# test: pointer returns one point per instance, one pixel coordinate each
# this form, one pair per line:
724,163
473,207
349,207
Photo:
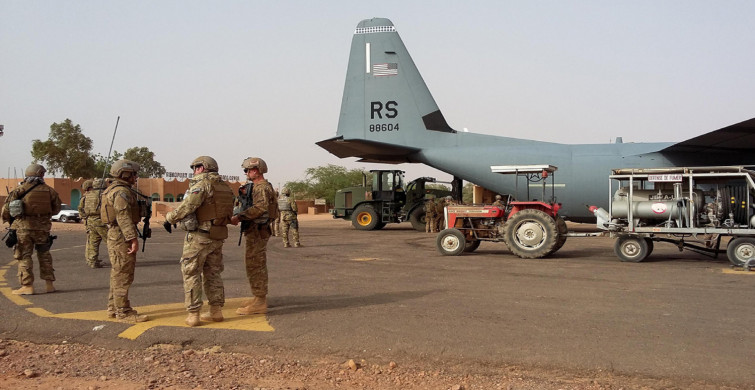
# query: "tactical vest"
38,202
92,203
284,204
219,207
109,214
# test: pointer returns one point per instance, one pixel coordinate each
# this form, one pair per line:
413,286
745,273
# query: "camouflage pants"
202,260
95,235
290,226
431,224
28,241
121,272
255,258
441,223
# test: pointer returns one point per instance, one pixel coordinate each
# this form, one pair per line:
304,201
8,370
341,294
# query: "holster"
11,238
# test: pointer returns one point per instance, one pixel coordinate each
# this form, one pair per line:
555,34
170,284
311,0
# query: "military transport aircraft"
389,116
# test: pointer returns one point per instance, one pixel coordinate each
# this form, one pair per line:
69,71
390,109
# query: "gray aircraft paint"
389,116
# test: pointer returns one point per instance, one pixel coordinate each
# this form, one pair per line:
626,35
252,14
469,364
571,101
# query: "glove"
167,227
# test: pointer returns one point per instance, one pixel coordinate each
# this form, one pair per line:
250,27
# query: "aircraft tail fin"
387,111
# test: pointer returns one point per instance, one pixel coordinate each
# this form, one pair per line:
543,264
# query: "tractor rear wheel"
531,234
365,218
450,242
417,218
562,231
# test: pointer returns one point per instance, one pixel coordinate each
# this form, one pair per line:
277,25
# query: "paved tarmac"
388,295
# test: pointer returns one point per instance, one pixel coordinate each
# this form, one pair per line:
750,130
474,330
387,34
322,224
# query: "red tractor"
530,229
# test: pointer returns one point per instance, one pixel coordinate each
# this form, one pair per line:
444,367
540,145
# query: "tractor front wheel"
450,242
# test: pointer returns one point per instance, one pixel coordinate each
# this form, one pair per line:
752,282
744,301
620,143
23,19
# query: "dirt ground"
27,365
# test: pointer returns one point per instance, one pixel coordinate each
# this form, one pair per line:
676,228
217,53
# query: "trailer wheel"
450,242
471,246
741,250
365,218
650,246
531,234
631,248
417,218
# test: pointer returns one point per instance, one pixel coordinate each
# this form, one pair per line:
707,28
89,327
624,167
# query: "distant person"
289,216
28,209
431,216
440,217
257,232
210,200
276,225
89,209
120,210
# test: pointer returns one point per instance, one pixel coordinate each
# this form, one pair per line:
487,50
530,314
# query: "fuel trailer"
693,208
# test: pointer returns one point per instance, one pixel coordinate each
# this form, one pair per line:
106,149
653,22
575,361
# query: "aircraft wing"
739,137
368,151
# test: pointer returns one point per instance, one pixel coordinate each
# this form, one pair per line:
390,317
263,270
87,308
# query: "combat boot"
50,287
131,317
285,245
215,314
257,306
193,319
297,245
26,289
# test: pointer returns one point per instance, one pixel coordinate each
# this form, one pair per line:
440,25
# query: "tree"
323,182
67,150
146,159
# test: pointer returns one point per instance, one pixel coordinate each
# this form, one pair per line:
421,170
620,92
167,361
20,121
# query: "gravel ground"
25,365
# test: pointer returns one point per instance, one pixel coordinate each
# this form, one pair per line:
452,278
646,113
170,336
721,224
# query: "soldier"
89,209
277,221
498,202
257,234
440,215
28,209
431,215
120,210
289,218
210,200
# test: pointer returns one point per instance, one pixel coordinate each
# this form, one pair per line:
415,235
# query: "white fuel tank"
652,204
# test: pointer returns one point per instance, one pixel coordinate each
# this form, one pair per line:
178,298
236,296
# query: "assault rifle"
145,205
245,202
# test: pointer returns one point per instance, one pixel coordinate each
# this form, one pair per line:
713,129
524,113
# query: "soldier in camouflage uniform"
257,234
277,221
440,217
89,209
431,216
120,210
289,218
210,199
499,203
40,202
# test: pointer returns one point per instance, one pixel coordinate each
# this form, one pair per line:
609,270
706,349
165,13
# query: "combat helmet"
123,166
254,162
35,170
207,162
498,197
87,184
285,191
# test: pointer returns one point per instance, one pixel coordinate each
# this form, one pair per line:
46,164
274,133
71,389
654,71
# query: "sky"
233,79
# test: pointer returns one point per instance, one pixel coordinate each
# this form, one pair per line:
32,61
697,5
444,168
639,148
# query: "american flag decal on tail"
390,69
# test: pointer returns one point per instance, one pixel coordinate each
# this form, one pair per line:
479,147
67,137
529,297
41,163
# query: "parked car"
66,214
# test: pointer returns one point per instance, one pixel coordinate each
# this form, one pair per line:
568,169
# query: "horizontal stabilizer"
735,138
368,151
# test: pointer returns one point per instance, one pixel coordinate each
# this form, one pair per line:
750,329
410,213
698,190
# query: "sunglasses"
248,169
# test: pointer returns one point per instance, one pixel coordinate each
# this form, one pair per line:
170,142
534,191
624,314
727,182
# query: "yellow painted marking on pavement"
17,299
738,271
365,259
174,314
40,312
